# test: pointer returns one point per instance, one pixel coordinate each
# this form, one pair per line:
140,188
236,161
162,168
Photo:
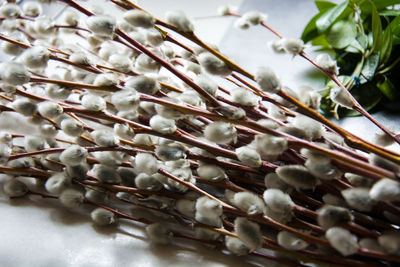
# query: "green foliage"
364,37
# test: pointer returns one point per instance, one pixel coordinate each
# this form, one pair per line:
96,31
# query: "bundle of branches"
134,117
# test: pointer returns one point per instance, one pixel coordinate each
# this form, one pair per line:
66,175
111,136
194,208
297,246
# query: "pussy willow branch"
361,144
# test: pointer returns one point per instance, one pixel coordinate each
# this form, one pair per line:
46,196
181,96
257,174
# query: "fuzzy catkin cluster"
232,165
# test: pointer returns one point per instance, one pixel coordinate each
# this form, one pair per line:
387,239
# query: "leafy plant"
363,36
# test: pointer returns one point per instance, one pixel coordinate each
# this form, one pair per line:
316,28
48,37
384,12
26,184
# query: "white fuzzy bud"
358,180
206,84
5,138
154,37
24,106
290,241
158,233
106,174
71,17
383,139
167,152
297,176
73,155
144,63
71,198
226,10
205,234
77,171
162,125
323,170
272,180
143,84
277,46
102,25
278,201
370,244
244,97
342,240
232,112
10,11
248,156
106,80
96,195
14,73
121,62
57,183
125,100
249,233
15,188
384,163
93,102
254,17
50,109
139,18
35,57
146,163
103,217
329,215
34,143
267,80
294,131
208,211
14,49
186,207
358,198
124,131
211,172
385,190
220,132
213,64
48,130
104,138
79,58
312,127
293,45
44,26
242,24
390,242
327,63
32,9
57,92
179,20
169,112
147,182
341,97
249,202
71,127
270,145
268,124
236,246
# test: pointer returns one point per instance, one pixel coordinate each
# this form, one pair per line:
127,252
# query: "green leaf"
370,65
387,88
330,16
342,33
310,31
386,48
391,12
381,4
395,28
320,41
354,47
376,30
324,5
